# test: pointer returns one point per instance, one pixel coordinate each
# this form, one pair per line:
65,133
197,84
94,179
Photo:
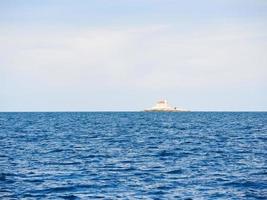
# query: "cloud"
144,58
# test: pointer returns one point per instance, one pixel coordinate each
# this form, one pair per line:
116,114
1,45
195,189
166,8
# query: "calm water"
133,155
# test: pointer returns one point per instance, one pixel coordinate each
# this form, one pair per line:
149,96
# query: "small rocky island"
163,106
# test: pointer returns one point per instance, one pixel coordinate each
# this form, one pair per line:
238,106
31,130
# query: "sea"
133,155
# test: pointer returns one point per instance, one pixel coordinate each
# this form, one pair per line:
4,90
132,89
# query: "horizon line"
109,111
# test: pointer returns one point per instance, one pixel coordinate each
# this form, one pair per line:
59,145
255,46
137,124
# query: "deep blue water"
133,155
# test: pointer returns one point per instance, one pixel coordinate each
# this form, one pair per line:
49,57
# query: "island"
163,106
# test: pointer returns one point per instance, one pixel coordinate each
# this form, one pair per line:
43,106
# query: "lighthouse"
163,106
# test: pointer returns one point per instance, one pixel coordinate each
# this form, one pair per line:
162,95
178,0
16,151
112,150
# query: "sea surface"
133,155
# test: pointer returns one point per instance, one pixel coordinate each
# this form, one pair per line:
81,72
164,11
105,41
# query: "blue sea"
133,155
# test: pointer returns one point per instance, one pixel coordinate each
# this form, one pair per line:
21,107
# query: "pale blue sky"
82,55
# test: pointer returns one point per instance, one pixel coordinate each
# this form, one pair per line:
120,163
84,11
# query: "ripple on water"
133,155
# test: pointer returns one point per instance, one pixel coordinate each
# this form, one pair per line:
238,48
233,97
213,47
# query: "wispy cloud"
48,66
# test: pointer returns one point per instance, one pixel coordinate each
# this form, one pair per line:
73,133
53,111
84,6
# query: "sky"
124,55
